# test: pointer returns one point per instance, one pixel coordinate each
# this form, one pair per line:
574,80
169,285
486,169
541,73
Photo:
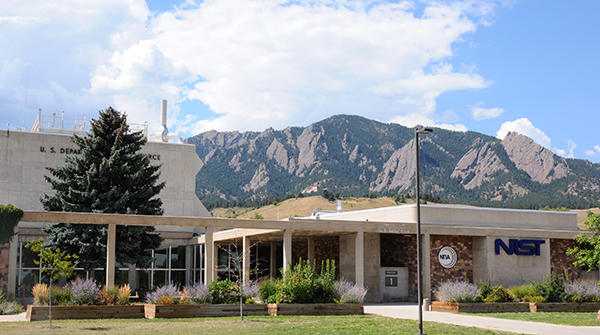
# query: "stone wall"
325,248
559,259
4,252
463,270
401,251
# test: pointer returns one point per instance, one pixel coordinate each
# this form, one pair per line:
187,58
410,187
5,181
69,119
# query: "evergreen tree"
110,175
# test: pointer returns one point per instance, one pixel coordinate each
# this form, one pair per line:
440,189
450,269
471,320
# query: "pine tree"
110,175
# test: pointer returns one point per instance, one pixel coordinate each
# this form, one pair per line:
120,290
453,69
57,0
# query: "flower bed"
475,307
36,312
315,309
152,311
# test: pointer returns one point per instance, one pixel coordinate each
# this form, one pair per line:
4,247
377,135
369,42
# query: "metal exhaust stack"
165,130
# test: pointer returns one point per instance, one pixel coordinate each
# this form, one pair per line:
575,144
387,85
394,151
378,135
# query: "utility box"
394,284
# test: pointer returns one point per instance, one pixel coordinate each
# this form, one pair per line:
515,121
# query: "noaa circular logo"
447,257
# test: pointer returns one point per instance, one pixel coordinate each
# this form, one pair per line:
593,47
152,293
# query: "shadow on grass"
97,328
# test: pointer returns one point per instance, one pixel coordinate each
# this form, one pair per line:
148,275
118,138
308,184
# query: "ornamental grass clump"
583,291
123,295
198,294
40,294
84,292
164,295
249,290
350,293
457,291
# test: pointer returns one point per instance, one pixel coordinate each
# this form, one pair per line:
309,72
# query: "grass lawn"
572,319
304,325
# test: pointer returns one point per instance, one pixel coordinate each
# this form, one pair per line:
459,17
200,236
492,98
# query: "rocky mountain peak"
541,164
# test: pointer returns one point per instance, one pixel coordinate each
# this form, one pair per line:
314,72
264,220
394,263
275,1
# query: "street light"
419,130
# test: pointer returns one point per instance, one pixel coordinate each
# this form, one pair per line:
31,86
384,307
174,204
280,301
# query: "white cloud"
590,153
524,127
420,119
481,113
270,63
571,148
597,148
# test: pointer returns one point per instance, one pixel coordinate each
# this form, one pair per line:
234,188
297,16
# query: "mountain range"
352,155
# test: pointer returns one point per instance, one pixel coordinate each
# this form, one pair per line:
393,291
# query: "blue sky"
486,66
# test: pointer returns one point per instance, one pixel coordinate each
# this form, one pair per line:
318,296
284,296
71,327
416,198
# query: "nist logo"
519,247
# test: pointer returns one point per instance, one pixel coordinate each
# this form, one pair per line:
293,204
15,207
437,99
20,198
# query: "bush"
164,295
583,291
61,296
109,296
249,290
10,307
536,298
267,291
499,294
84,292
525,292
40,294
2,296
123,295
198,294
224,292
350,293
9,219
553,289
457,291
484,290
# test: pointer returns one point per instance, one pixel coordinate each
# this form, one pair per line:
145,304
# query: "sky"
488,66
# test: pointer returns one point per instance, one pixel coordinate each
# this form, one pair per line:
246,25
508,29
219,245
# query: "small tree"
55,263
587,250
9,219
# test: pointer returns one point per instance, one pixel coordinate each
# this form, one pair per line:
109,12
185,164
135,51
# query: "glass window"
142,281
27,257
178,277
28,279
160,278
178,257
160,258
121,277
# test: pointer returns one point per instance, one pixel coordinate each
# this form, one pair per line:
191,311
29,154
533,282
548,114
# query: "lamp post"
419,130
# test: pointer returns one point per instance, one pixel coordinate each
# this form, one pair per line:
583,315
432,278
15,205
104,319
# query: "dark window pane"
28,257
160,259
178,278
121,277
160,278
178,257
28,279
142,283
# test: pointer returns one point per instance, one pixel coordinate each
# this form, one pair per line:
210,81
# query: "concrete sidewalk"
14,317
522,327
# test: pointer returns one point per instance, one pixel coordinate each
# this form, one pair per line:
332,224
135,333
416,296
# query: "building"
377,247
23,159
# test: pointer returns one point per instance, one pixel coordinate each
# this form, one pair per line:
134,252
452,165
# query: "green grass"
301,325
572,319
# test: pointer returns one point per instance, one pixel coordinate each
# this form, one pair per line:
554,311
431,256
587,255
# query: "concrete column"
110,255
425,256
359,258
246,259
209,258
310,250
287,249
13,250
273,260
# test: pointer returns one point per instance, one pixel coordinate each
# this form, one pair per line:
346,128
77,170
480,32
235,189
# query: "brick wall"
325,248
401,251
463,270
559,259
4,251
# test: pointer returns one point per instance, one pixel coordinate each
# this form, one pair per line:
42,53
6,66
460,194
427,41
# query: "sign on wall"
447,257
518,247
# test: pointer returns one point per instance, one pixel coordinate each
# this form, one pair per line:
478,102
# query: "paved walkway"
13,318
517,326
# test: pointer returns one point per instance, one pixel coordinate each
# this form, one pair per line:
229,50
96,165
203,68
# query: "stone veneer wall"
4,253
325,248
401,251
463,270
559,259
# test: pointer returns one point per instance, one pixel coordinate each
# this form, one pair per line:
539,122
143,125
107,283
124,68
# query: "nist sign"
519,247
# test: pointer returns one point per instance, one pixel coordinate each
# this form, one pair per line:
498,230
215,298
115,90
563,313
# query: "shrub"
40,294
350,293
249,290
583,291
224,292
109,296
198,294
499,294
302,284
84,292
484,290
10,307
267,291
457,291
61,296
553,289
536,298
123,295
164,295
524,292
2,296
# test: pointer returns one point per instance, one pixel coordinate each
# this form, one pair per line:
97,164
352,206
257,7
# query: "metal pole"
419,285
